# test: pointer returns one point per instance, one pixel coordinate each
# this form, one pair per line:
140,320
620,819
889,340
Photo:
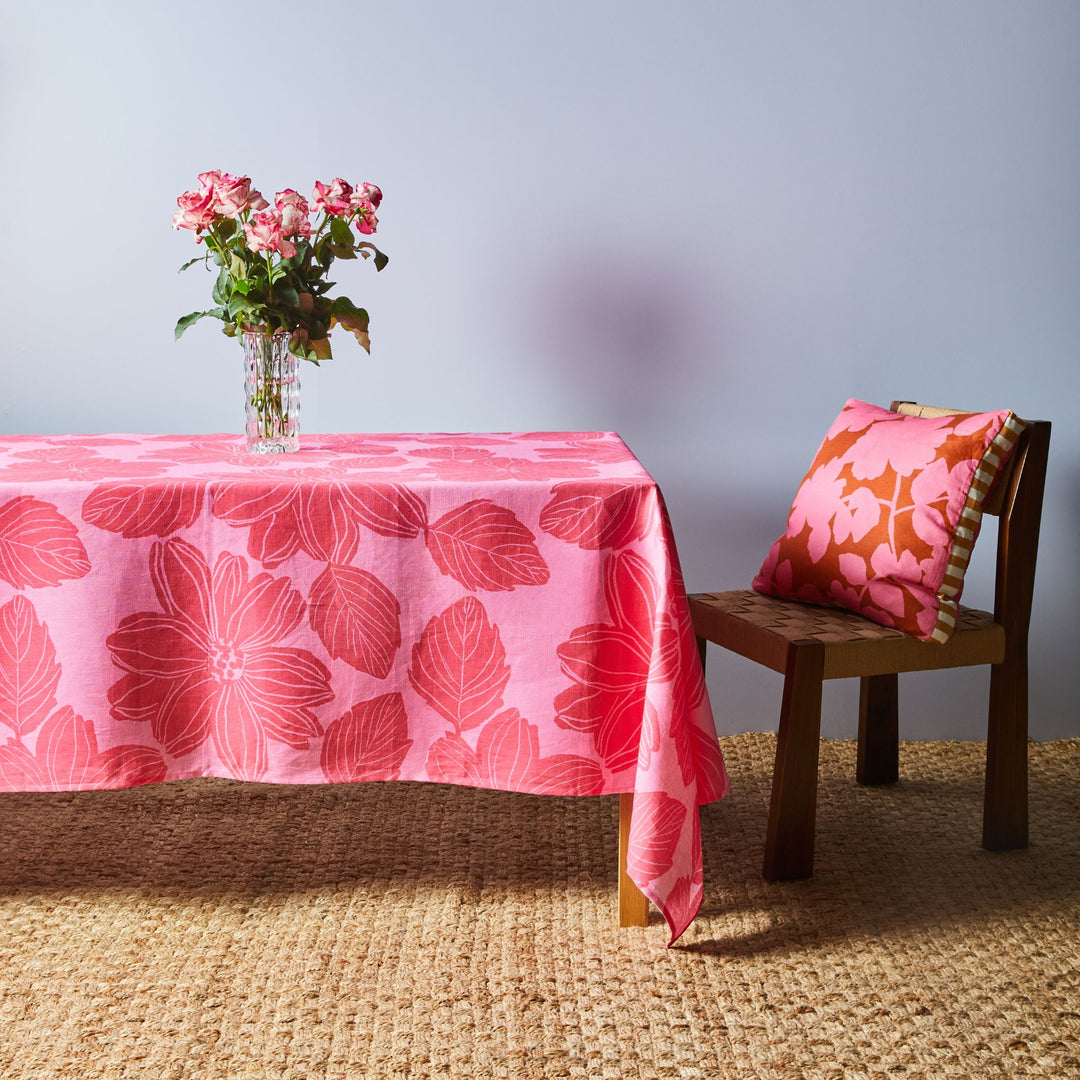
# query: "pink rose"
294,213
196,209
234,195
288,197
210,180
367,193
294,221
333,198
263,233
366,221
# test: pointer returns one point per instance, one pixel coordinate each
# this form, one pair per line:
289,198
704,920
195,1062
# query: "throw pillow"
886,518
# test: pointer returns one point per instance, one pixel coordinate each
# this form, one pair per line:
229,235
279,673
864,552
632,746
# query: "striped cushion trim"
988,470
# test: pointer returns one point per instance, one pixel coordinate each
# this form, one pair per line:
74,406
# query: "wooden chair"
808,644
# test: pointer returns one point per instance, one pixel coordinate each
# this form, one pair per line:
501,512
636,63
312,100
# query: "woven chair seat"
761,628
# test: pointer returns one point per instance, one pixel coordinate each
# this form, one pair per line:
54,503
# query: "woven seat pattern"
762,628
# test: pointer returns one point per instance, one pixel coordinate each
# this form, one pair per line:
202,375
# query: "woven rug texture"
210,929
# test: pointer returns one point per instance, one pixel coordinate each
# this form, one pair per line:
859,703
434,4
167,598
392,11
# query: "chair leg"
702,646
789,842
879,730
1005,800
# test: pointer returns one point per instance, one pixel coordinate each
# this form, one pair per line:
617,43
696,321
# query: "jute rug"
209,929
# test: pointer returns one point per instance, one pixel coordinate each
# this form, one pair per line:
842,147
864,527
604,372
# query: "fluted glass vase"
272,393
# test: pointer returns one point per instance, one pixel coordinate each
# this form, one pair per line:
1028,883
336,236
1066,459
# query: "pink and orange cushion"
885,520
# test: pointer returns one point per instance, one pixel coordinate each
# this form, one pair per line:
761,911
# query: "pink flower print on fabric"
874,525
883,449
609,664
65,754
66,758
209,665
507,755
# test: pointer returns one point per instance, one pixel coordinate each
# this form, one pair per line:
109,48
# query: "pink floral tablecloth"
501,611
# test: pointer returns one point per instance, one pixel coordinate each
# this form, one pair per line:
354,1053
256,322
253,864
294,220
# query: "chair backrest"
1016,499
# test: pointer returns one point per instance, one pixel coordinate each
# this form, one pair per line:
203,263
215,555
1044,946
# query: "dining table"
498,610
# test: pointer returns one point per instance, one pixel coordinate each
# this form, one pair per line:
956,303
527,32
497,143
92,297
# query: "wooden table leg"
633,903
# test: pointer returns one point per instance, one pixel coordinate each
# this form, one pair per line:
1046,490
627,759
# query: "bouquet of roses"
273,261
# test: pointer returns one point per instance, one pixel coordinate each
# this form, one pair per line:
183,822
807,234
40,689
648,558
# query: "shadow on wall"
628,336
1054,686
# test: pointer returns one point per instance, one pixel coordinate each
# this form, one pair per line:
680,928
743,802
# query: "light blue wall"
704,225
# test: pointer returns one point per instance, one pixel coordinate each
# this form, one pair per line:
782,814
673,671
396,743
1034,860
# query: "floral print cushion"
884,521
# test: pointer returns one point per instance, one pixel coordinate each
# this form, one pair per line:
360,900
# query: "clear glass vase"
271,392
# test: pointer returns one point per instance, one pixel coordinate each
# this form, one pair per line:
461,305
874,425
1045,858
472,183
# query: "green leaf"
238,304
343,306
340,232
222,287
380,258
319,349
226,227
191,262
287,295
354,319
187,321
342,252
308,348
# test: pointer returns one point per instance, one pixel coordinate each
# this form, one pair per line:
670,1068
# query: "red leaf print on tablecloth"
567,774
451,760
66,749
684,897
19,769
66,758
133,510
29,672
38,545
508,749
286,518
594,448
129,766
507,756
654,834
457,453
74,460
323,520
699,763
368,743
388,509
610,664
208,665
595,521
356,617
459,665
484,546
472,464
